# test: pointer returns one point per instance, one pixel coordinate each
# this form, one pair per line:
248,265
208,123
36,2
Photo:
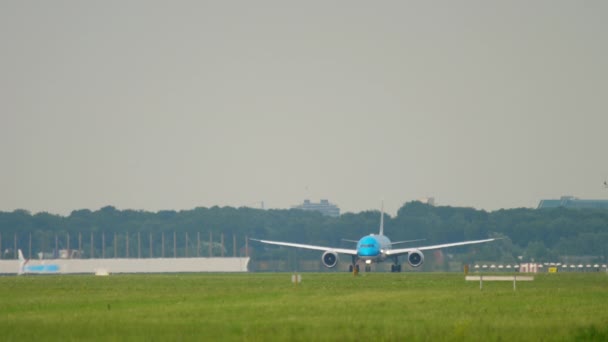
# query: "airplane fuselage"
51,268
43,268
373,247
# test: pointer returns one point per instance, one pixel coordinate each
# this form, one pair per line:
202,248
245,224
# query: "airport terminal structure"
324,207
573,202
19,256
130,265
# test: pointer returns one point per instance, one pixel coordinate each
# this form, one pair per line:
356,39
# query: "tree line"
527,234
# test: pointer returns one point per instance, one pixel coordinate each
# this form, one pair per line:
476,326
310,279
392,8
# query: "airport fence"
86,245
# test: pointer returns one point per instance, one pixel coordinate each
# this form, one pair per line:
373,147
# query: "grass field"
325,306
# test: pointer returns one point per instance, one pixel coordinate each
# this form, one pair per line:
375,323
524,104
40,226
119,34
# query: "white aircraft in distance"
24,268
374,248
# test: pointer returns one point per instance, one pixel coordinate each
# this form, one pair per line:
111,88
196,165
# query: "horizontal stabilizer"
406,241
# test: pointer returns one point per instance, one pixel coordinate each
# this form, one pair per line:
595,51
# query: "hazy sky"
177,104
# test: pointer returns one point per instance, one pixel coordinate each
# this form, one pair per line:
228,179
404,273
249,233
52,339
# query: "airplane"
374,248
24,268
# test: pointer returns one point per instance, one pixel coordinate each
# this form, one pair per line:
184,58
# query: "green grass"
326,306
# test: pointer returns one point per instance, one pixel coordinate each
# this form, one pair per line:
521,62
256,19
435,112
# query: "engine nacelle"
415,258
329,259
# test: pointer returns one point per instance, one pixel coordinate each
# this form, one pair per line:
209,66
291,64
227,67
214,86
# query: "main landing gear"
396,267
351,268
354,267
368,268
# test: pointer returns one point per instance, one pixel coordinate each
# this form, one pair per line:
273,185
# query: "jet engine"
415,258
329,259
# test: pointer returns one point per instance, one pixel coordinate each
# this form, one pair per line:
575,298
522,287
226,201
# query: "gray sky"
177,104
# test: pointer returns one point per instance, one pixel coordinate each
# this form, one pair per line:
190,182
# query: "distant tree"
540,234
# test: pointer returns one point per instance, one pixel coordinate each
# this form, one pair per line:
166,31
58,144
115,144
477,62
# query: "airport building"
123,265
324,207
573,202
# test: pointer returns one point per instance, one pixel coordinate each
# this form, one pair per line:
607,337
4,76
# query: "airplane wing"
426,248
313,247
